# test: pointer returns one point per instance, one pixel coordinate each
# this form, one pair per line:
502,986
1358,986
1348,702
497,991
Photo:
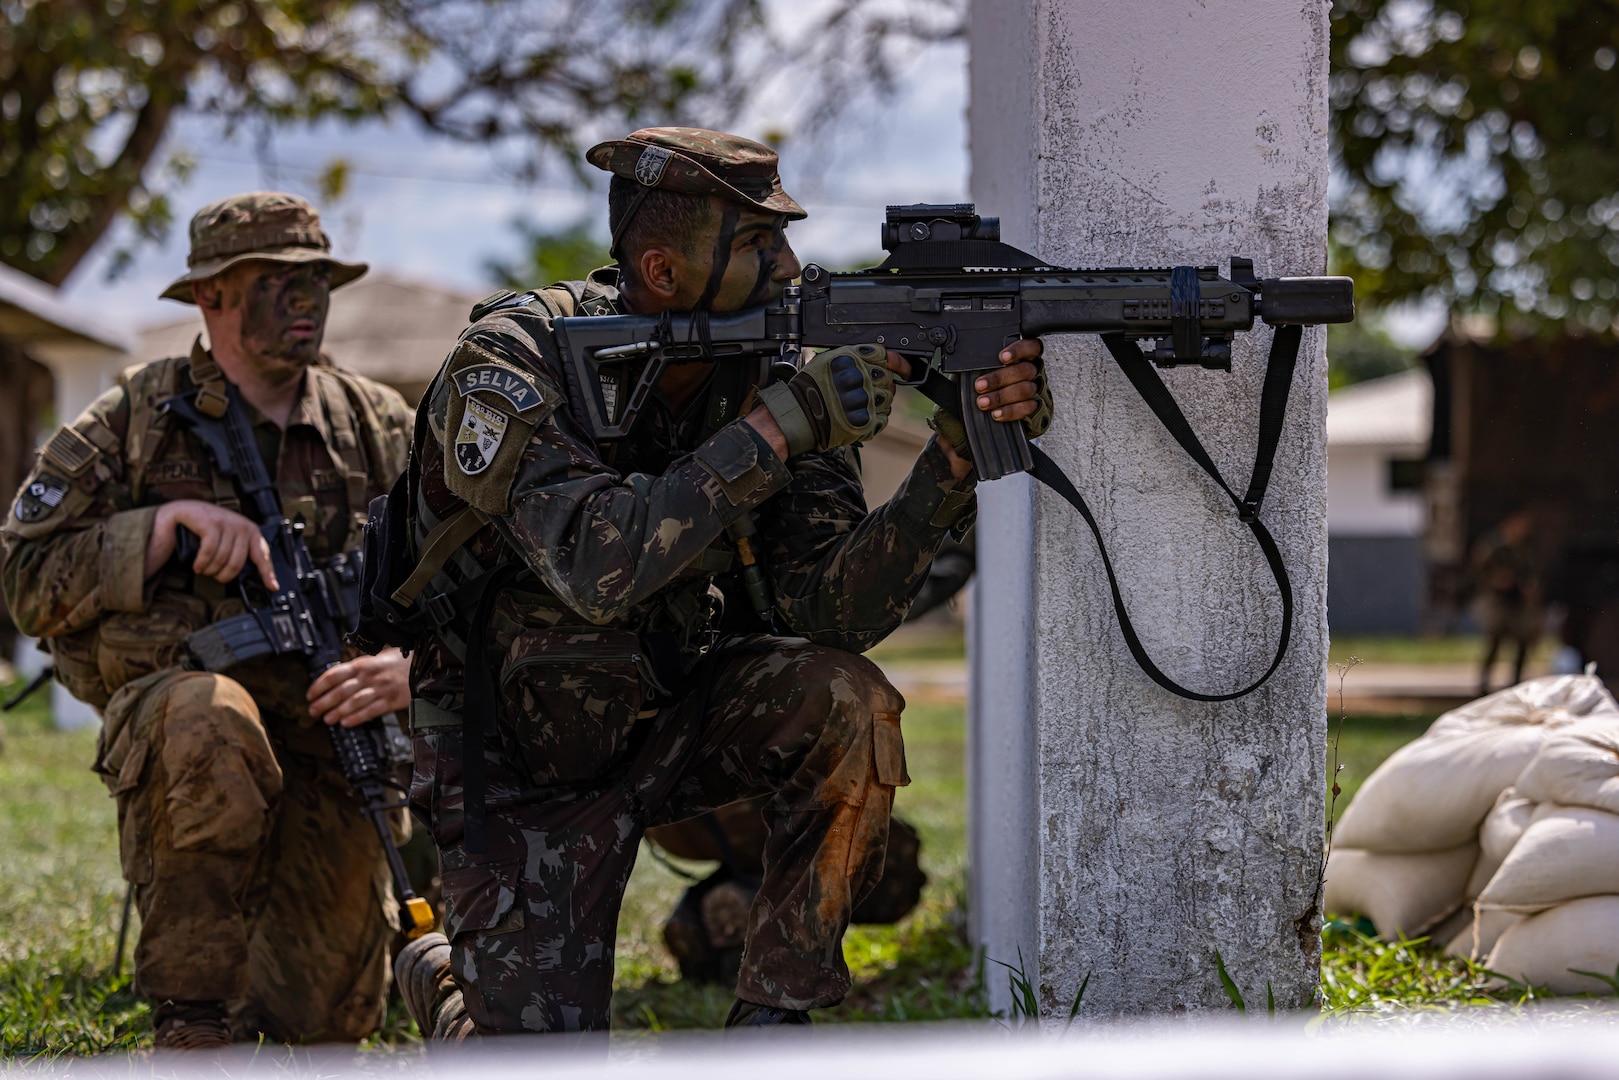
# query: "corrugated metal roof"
1396,410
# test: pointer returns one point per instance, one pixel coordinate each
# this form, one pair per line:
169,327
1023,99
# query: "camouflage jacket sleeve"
75,546
601,541
845,577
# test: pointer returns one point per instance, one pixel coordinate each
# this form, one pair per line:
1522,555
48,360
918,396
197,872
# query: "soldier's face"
281,309
761,262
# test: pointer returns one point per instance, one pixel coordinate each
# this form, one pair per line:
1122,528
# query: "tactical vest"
92,664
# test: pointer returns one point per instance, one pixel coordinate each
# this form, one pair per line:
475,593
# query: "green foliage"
1475,156
1362,974
88,88
1228,985
1361,350
550,255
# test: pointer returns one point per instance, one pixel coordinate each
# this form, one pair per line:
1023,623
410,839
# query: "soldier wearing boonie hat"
620,694
269,226
262,891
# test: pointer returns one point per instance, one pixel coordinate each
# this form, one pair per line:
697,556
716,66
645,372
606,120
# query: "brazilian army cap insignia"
42,495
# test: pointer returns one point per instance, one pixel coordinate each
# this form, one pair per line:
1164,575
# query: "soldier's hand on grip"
226,541
841,396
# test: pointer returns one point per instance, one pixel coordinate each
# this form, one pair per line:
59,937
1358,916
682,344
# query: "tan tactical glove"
841,396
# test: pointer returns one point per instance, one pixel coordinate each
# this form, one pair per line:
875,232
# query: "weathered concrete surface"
1118,830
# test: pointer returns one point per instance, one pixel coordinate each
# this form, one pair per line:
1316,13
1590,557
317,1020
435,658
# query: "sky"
426,208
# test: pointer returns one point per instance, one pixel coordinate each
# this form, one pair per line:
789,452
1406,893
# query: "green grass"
61,892
1455,649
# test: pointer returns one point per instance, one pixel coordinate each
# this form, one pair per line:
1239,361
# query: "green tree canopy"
1476,157
89,88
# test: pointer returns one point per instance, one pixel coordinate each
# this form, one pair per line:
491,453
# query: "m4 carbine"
949,297
306,617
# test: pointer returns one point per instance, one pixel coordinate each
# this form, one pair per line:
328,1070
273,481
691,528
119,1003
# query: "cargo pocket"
482,898
888,750
135,644
75,665
570,701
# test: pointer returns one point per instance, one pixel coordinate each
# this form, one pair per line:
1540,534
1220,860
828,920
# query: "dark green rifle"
950,296
306,617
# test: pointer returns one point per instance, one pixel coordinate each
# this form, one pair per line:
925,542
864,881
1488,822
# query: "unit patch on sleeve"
517,388
479,436
42,495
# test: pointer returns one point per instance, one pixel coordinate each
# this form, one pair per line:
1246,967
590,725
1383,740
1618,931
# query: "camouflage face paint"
283,310
756,264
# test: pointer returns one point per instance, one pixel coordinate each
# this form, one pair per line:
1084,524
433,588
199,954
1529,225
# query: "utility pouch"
134,645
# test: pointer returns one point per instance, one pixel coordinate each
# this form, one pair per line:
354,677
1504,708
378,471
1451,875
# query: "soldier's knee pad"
220,776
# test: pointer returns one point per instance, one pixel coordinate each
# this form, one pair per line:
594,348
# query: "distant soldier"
264,900
1506,582
616,683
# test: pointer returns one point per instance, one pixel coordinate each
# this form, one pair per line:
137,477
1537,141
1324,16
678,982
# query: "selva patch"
518,390
478,437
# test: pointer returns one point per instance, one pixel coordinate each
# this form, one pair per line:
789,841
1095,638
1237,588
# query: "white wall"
1359,501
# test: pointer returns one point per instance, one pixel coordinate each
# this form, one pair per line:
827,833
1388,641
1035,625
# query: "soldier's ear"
662,272
208,294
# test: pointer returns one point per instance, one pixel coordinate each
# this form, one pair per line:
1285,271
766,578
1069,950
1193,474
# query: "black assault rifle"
949,296
306,617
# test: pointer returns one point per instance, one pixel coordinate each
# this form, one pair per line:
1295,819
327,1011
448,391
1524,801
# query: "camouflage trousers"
532,921
258,881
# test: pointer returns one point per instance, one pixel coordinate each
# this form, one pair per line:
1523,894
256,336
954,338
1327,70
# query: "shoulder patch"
518,389
479,436
70,451
39,497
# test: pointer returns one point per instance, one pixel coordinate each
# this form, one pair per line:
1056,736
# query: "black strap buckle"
441,609
1248,511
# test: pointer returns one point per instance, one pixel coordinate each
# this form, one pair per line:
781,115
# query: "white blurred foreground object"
1536,1043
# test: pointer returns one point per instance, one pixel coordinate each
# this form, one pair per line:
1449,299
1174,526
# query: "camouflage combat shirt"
626,538
76,536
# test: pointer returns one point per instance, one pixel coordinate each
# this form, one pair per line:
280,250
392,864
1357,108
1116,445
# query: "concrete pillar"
1117,830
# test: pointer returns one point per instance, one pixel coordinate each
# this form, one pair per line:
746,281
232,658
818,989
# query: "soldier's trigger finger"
259,551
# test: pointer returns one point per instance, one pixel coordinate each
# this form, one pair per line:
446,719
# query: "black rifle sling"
478,699
1284,352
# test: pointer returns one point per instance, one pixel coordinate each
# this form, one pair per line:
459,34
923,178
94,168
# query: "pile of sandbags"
1550,910
1406,852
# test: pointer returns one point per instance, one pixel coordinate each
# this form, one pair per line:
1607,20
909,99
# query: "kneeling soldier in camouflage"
264,900
622,692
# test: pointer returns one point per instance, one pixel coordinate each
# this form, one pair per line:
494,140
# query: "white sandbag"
1576,767
1481,933
1432,794
1566,852
1545,949
1502,827
1401,894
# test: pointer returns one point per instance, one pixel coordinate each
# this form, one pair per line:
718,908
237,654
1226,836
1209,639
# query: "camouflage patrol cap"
699,162
265,225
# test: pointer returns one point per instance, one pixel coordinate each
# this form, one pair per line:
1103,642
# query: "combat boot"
422,973
745,1014
191,1025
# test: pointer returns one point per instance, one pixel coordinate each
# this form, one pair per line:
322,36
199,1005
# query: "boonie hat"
698,162
266,225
